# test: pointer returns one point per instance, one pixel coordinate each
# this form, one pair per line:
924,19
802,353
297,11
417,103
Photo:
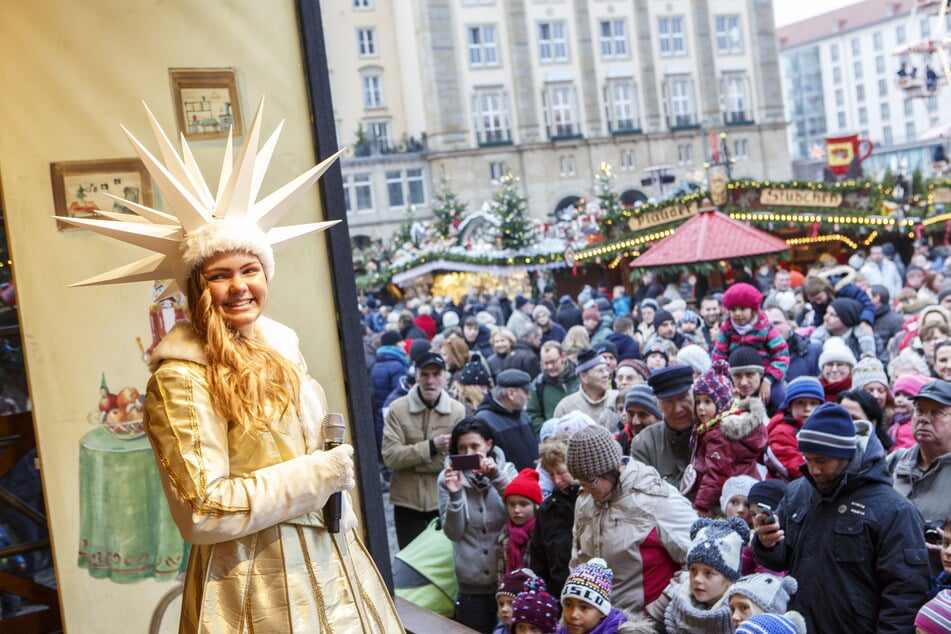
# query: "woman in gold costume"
234,419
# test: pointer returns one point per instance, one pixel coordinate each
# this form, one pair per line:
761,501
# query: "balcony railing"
561,131
624,126
683,122
737,117
487,138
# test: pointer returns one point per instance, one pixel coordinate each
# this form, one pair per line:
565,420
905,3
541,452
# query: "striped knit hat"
829,431
592,583
934,617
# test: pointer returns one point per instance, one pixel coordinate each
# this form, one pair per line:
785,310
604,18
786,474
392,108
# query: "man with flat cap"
416,437
922,473
594,396
666,446
503,409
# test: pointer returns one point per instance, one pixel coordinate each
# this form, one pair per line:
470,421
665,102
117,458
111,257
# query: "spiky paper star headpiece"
203,225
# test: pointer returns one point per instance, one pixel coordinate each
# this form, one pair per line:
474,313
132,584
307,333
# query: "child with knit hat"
689,325
656,354
535,611
783,458
521,496
934,617
727,441
512,584
836,363
713,561
762,594
586,603
906,388
769,624
748,325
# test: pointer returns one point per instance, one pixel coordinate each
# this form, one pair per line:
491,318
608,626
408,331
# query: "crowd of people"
774,456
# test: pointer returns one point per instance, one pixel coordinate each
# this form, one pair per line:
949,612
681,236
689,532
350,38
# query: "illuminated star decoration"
189,198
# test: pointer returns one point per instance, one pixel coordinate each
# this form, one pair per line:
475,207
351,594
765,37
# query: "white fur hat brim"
224,236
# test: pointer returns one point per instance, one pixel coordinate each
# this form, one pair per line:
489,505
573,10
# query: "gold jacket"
251,505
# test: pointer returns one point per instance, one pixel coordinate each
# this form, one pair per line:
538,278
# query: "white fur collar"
182,343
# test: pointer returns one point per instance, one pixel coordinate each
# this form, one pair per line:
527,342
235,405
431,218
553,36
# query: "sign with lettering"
673,213
941,195
800,198
814,199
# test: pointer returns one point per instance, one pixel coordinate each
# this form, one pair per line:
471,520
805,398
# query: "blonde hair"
471,395
250,382
456,351
553,450
576,340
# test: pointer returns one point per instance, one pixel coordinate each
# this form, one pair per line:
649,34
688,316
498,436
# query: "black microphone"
333,429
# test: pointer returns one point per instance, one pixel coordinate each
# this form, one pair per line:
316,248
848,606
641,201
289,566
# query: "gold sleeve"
209,501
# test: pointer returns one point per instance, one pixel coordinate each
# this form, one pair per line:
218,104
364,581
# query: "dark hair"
873,413
883,295
469,425
947,523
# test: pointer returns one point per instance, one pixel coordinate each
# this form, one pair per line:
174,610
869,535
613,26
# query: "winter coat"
601,411
547,392
627,347
602,332
618,622
764,337
663,449
555,333
513,432
409,426
684,615
568,315
427,324
733,446
552,536
888,323
861,548
391,365
803,357
524,357
495,364
472,519
519,321
783,458
929,491
482,343
642,529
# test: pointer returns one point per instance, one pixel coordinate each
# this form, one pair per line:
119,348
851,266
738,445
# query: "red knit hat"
526,485
742,295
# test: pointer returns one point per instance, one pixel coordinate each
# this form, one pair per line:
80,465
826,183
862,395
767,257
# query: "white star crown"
202,224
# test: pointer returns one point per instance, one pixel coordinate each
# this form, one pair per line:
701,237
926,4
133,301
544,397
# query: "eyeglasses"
590,484
942,413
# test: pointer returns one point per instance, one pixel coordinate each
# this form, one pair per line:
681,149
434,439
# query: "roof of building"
848,18
707,237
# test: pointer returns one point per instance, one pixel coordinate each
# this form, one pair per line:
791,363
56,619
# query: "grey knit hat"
868,370
643,396
592,452
769,592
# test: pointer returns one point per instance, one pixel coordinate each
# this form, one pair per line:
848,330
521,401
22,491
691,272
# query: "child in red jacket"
783,457
728,441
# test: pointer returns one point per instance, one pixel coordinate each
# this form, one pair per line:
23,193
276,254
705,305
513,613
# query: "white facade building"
546,89
840,76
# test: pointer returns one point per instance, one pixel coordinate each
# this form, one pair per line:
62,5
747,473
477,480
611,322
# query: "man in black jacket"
503,410
854,544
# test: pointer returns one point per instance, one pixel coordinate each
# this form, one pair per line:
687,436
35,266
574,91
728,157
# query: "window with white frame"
483,47
910,131
681,102
880,64
857,70
863,115
741,148
621,104
362,5
729,36
497,169
405,187
925,27
567,164
734,94
628,160
885,110
839,97
372,91
670,35
378,133
552,42
900,33
366,42
856,46
860,93
613,39
560,117
685,154
932,102
834,52
837,74
882,87
878,41
491,117
358,193
841,120
908,108
887,135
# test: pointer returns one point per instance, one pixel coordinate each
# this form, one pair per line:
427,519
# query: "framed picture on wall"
81,188
206,102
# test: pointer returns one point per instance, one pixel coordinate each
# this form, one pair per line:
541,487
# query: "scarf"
518,538
832,390
608,624
745,328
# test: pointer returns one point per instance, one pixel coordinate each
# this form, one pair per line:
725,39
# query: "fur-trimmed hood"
746,416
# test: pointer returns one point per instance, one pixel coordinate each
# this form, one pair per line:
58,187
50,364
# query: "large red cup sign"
840,150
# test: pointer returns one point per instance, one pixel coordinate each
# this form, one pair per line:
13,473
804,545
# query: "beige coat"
407,429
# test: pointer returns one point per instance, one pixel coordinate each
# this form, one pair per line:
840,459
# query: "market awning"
710,236
451,265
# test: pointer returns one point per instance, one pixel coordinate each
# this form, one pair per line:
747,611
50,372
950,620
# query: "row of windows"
878,38
405,189
483,45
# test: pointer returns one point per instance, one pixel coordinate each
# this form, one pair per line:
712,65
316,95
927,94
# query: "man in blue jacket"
855,545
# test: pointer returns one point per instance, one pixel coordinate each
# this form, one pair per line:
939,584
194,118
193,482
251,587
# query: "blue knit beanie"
829,431
803,387
767,624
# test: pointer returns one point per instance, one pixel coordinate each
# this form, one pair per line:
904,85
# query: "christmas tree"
608,199
515,228
448,210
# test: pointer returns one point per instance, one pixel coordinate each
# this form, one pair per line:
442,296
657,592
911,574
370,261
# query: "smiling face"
238,288
942,362
834,371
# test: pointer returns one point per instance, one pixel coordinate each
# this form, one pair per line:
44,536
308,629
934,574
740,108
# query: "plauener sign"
673,213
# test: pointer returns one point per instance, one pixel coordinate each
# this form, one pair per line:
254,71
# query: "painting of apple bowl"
120,414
